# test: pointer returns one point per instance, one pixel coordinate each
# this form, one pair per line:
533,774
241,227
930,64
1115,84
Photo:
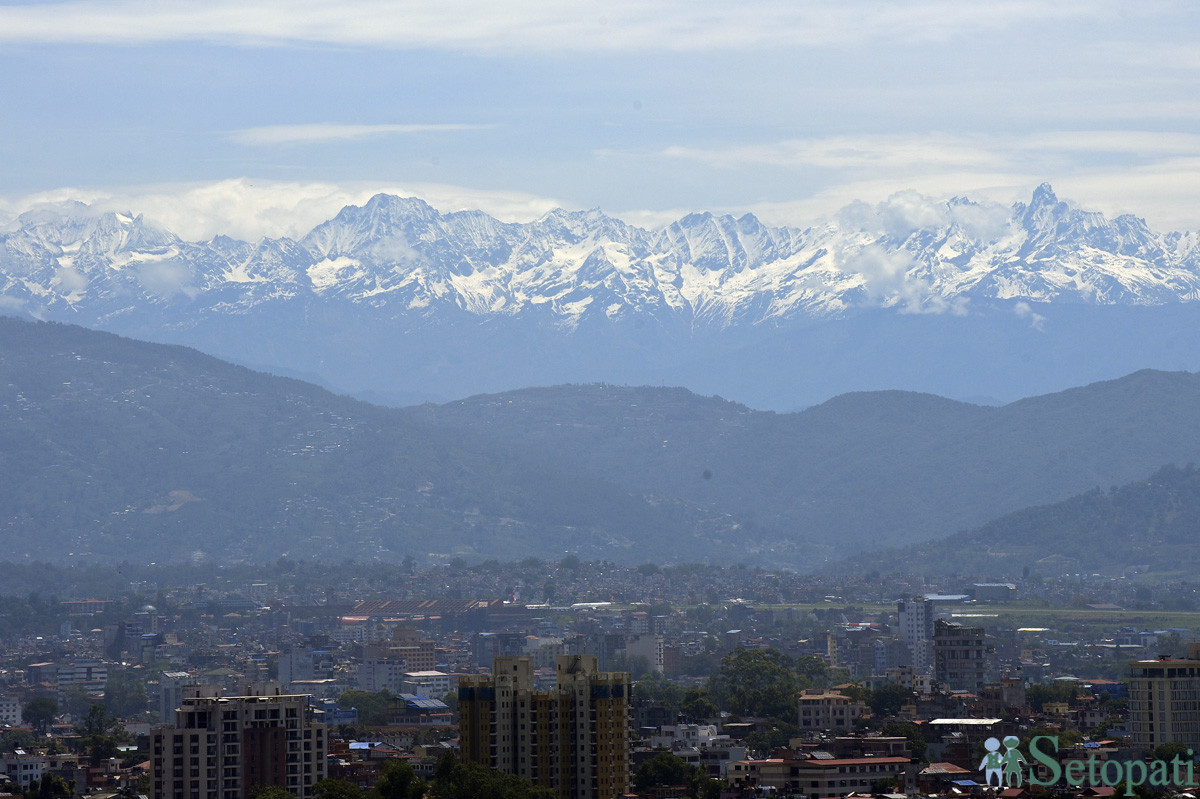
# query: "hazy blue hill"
862,470
116,449
1148,526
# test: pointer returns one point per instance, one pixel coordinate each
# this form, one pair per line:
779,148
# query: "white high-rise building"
916,629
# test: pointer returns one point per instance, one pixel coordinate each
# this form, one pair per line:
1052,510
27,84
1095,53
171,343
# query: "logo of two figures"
1004,767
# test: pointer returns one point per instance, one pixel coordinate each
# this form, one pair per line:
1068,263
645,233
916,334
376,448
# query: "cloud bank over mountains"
253,209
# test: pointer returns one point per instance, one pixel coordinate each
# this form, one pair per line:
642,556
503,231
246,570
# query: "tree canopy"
373,708
666,770
40,712
455,780
886,700
756,682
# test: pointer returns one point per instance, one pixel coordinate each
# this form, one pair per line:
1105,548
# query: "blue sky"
260,117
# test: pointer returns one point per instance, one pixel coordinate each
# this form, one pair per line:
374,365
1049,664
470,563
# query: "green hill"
116,449
861,471
113,449
1145,527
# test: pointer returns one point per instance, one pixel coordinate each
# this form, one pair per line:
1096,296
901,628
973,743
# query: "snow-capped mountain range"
404,266
716,270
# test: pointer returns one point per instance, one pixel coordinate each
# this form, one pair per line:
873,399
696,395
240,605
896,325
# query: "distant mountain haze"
113,449
401,303
1145,529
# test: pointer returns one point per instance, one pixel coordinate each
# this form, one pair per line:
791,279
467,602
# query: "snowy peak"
384,219
402,256
108,232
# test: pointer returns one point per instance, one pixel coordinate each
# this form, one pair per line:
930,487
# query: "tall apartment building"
574,738
222,747
916,629
1164,701
960,659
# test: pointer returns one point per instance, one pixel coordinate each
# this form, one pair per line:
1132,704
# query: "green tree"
399,780
905,729
697,705
666,770
654,687
812,672
16,738
886,700
637,665
270,792
1059,691
704,787
1171,644
99,732
454,780
756,682
75,701
373,708
662,770
1066,737
40,712
51,786
1170,751
336,789
125,693
777,737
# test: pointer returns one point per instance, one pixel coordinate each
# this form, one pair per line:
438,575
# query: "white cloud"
249,209
1137,111
325,132
527,24
1184,57
165,278
935,151
1165,193
1122,142
888,280
70,280
1152,174
1025,311
908,211
910,151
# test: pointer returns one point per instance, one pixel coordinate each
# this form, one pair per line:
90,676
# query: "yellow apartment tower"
573,738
